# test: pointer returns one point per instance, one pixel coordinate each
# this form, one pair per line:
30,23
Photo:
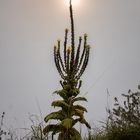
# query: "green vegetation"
124,119
70,67
123,122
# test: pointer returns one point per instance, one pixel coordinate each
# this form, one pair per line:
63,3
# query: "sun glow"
74,2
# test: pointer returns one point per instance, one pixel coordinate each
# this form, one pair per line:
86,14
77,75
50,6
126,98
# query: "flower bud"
55,47
66,30
59,40
69,49
85,35
88,46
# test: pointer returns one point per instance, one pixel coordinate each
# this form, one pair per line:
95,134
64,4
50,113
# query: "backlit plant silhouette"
124,118
70,66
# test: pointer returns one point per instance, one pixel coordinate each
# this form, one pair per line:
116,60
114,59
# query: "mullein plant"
70,66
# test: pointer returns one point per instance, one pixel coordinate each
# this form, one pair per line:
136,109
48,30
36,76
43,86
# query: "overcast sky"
30,28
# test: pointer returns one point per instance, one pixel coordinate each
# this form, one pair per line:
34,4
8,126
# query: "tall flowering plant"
70,65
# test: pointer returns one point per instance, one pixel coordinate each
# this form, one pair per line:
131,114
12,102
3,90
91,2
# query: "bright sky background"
30,28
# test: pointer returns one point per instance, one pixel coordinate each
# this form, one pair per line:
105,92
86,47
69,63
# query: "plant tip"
55,47
85,35
59,40
80,37
69,49
66,30
88,46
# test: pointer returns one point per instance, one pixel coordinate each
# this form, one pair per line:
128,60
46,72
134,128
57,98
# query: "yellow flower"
69,49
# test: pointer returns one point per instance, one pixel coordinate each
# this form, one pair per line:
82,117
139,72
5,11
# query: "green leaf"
75,121
79,99
61,136
81,120
80,108
67,123
77,112
55,115
62,93
52,127
60,103
67,87
75,134
85,122
75,92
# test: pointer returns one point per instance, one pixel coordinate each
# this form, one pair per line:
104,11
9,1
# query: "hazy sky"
30,28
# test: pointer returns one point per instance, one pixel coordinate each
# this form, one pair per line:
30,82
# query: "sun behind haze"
74,2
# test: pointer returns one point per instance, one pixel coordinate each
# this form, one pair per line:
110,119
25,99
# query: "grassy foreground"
123,123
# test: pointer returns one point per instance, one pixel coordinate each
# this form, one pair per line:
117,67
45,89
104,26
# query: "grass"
110,132
123,123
